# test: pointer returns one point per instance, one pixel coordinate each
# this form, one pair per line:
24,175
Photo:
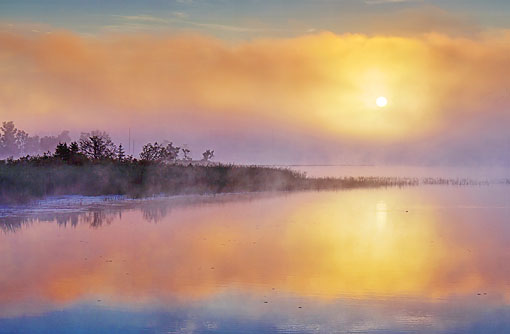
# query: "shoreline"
75,202
24,183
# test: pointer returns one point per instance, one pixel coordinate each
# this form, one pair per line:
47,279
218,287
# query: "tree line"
94,165
16,143
92,146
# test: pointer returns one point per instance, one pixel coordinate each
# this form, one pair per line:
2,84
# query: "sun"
381,101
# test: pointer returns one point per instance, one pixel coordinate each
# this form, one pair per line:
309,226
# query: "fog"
307,99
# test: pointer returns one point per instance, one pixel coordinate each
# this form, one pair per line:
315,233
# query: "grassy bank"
23,181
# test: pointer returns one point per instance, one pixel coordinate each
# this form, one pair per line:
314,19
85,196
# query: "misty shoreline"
25,182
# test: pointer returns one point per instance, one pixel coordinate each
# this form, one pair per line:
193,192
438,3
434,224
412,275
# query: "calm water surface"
429,259
473,173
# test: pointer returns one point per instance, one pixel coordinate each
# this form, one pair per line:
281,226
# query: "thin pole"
129,142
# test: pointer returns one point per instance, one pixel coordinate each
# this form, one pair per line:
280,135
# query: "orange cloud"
322,84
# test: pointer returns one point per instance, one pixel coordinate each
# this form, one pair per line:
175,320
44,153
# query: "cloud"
181,15
383,2
177,20
440,89
141,18
425,19
225,27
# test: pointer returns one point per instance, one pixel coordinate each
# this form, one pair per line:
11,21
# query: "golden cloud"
324,83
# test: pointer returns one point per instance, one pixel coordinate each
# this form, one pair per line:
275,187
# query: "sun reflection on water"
361,244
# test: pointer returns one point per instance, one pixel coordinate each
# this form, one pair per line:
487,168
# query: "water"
474,173
428,259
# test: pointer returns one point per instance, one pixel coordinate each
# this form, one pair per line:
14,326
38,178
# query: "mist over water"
449,172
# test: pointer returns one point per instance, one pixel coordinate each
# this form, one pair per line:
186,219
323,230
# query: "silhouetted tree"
75,157
62,152
21,141
172,152
153,152
159,152
15,142
208,155
97,145
120,153
8,144
186,153
74,148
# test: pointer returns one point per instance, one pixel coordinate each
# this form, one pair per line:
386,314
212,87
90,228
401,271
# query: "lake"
426,259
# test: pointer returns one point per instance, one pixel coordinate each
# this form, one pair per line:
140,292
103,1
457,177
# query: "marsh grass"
23,181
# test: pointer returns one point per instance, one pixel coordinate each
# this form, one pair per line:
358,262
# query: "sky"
268,82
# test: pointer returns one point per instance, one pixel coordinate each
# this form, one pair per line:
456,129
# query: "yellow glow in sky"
327,88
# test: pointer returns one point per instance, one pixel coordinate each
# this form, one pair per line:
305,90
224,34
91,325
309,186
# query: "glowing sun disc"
381,101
